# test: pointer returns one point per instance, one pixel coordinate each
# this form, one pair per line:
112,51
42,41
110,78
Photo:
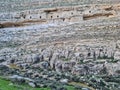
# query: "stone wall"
63,14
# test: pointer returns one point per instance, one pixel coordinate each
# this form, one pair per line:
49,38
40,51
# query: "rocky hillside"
18,5
82,53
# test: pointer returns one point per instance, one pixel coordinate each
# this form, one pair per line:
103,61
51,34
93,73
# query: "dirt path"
81,84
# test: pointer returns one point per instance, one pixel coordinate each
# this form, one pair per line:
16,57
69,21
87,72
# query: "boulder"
32,84
85,89
17,79
64,81
2,59
36,58
117,55
44,65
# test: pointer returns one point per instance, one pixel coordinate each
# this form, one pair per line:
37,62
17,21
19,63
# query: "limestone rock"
44,65
64,80
117,55
36,59
32,84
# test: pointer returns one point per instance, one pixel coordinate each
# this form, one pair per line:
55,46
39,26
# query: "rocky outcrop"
62,45
87,17
58,15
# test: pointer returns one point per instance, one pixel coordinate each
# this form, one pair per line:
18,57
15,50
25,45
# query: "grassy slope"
5,85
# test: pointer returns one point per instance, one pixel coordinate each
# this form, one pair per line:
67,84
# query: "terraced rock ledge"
65,45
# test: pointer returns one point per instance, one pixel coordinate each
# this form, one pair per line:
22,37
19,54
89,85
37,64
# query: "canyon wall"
65,14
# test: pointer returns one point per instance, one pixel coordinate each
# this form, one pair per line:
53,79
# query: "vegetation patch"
7,85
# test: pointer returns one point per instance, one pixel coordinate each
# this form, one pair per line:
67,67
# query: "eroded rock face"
70,58
113,68
90,69
59,15
117,55
62,44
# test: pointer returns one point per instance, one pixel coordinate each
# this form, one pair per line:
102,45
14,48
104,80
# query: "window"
51,17
24,16
40,17
89,54
63,19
